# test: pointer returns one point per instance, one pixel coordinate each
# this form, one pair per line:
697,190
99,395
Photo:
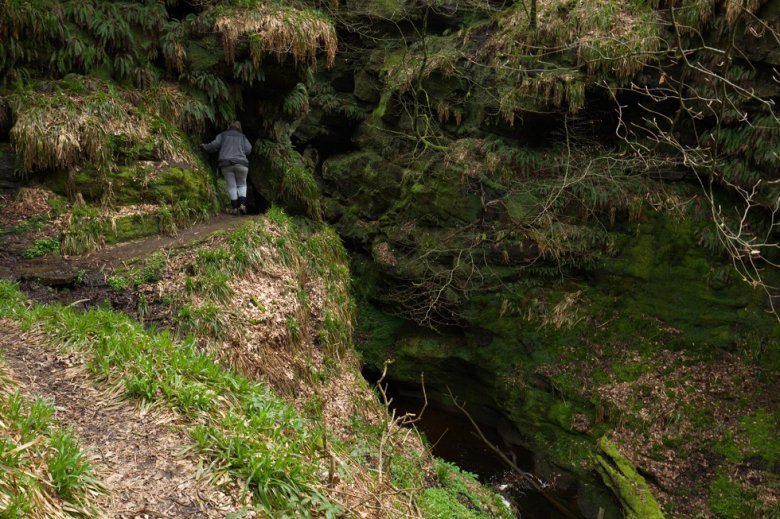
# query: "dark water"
454,439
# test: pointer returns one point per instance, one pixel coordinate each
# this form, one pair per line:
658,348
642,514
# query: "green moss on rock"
631,489
762,430
205,53
663,272
141,183
128,228
459,495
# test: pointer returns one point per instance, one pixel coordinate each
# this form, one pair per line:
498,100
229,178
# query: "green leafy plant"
69,469
41,247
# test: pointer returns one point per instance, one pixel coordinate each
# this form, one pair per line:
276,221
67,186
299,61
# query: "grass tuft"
44,471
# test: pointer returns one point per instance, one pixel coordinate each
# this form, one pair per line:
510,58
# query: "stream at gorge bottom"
453,438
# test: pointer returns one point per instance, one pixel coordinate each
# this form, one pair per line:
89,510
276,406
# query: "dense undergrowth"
240,424
106,104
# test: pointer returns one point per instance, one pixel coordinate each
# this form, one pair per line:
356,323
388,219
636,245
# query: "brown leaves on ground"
683,407
668,419
20,210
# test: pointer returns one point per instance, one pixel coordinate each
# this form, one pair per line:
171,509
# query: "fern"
248,72
296,103
111,28
298,186
211,85
124,65
172,43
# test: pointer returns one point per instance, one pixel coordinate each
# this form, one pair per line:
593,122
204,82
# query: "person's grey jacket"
233,148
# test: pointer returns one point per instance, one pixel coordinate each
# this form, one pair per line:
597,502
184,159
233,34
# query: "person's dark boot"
242,204
233,207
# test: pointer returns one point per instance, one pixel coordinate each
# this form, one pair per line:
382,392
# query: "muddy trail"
58,271
82,280
136,453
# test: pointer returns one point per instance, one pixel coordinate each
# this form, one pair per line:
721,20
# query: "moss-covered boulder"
622,478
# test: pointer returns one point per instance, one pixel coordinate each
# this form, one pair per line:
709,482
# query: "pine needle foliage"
551,88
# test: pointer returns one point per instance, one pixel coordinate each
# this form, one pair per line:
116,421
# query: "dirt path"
54,270
126,251
136,453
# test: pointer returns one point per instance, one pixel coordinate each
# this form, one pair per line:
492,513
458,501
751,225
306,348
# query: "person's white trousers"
235,176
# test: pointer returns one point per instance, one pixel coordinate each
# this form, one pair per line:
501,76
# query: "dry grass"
367,491
597,40
565,314
694,14
403,68
82,121
168,101
29,201
559,88
281,31
735,8
269,329
606,39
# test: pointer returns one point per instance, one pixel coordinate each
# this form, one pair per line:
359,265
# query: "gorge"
563,214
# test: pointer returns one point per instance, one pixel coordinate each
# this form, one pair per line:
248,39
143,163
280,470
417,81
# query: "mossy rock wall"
661,292
141,183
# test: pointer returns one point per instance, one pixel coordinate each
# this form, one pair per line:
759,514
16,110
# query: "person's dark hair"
235,125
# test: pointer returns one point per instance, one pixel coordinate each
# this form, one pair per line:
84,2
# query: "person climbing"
233,147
